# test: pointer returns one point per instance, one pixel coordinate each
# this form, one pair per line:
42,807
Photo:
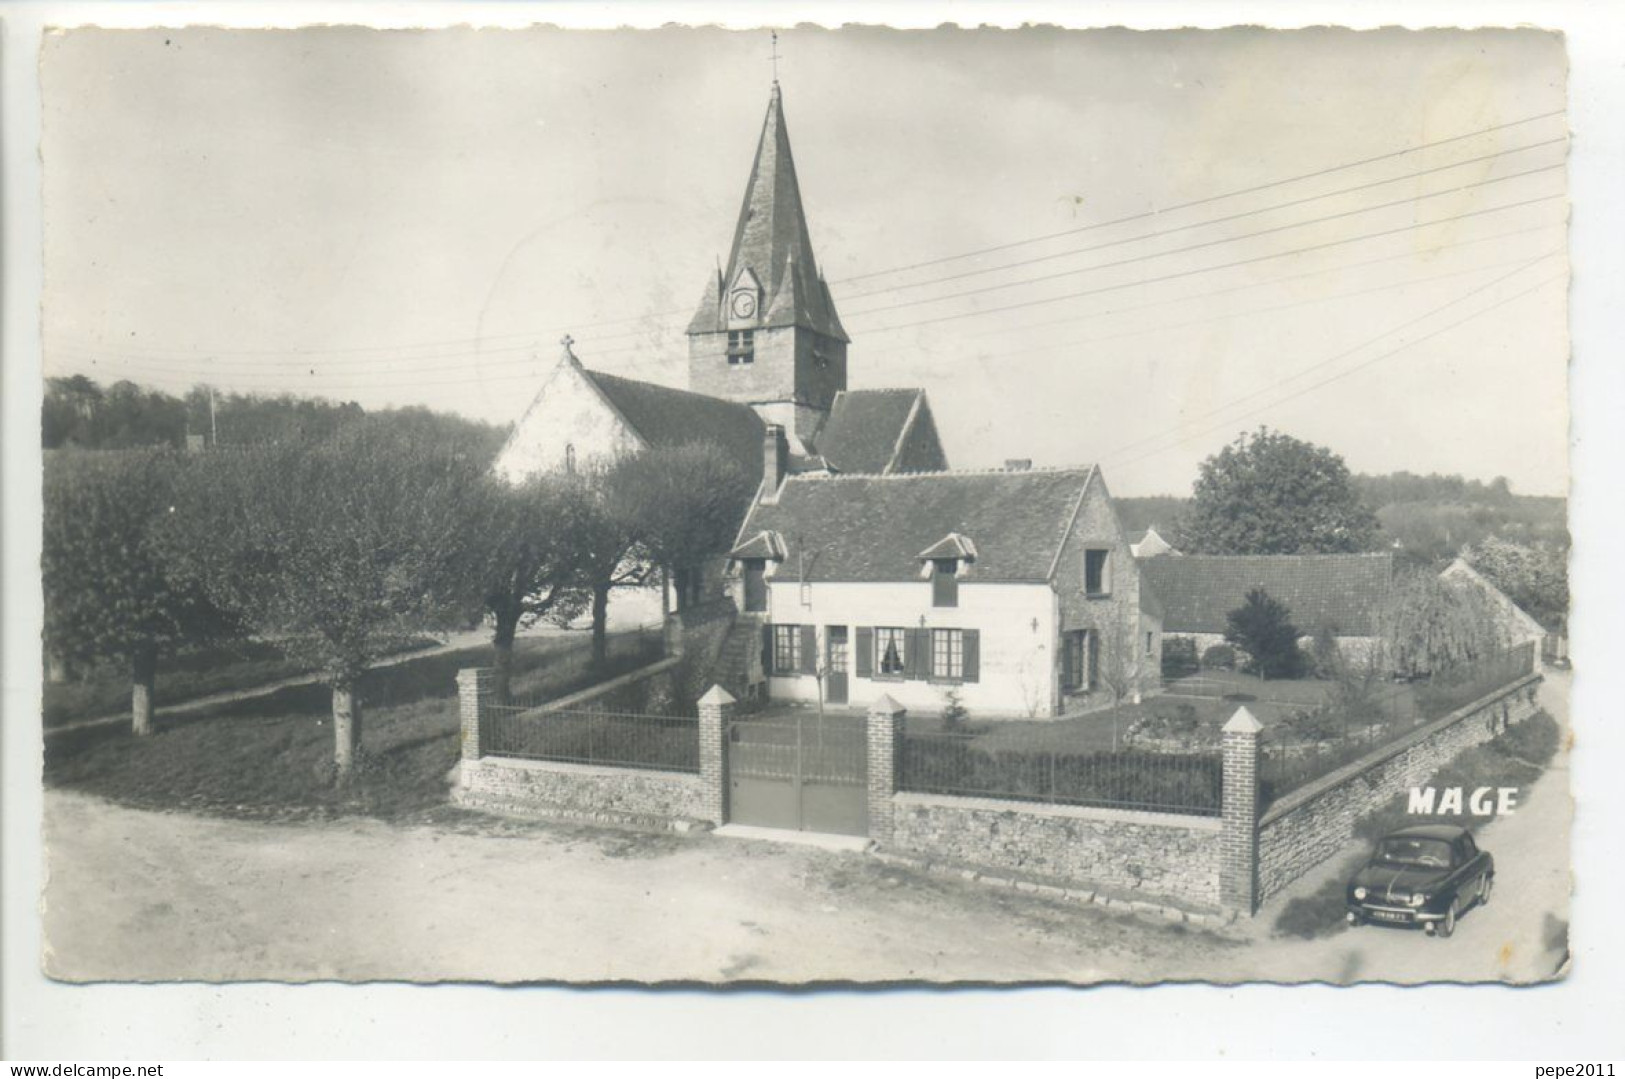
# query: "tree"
1121,667
1262,627
337,550
1270,493
1535,576
534,538
109,592
1427,625
674,508
684,505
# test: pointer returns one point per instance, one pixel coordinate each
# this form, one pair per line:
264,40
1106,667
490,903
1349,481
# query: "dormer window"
943,563
945,582
741,347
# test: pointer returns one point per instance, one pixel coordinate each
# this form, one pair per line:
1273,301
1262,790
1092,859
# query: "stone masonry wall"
701,632
1315,822
1157,855
582,792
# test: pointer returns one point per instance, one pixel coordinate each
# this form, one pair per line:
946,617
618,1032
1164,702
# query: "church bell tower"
766,334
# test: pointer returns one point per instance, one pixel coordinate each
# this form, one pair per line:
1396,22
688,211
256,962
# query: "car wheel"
1484,886
1447,925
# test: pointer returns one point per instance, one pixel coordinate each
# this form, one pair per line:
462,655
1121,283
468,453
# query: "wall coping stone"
525,764
1332,780
1189,822
571,700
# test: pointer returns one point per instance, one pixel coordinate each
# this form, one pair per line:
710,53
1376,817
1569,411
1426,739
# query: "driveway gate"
804,773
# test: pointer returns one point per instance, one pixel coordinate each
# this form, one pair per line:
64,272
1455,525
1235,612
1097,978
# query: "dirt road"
141,895
1519,936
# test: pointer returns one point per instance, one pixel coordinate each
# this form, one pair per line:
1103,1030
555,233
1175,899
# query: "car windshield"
1410,850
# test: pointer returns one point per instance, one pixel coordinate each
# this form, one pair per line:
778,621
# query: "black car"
1426,875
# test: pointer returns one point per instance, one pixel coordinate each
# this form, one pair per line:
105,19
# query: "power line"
1209,199
201,368
1201,246
1283,279
1213,221
576,327
1183,435
1211,269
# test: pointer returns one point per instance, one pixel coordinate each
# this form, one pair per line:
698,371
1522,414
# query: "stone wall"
1317,821
582,792
698,635
1156,855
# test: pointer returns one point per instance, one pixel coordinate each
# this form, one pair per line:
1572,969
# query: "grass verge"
1514,758
270,758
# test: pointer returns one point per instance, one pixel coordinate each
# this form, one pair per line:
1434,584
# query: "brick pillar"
716,711
473,690
884,733
1238,856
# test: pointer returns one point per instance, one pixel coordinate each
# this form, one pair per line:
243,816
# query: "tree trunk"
143,676
600,621
507,625
346,730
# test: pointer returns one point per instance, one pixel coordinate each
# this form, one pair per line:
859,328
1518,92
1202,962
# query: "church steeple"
766,331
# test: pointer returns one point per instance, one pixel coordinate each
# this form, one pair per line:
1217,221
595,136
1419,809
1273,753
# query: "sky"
1087,246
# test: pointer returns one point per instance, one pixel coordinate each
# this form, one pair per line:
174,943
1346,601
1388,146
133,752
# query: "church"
864,567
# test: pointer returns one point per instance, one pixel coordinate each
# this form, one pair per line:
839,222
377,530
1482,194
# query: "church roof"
1340,592
873,528
865,427
772,241
667,417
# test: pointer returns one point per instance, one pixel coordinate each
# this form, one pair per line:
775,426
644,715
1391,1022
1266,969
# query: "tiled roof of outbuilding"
1340,592
873,528
863,428
668,417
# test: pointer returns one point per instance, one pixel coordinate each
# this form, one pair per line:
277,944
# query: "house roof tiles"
872,528
668,417
1340,592
864,426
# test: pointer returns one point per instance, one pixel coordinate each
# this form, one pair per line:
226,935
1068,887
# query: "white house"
1016,588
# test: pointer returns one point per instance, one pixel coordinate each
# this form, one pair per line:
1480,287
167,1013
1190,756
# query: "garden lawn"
197,672
270,757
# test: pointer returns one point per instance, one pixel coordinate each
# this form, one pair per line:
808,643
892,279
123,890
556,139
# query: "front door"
835,664
801,772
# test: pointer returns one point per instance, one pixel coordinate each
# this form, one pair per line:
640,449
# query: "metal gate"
803,773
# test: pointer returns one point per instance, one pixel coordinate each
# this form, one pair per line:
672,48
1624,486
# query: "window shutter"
973,655
918,661
809,649
1094,658
865,652
767,649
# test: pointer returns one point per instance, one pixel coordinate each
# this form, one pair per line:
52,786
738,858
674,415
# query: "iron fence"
668,741
956,763
1358,719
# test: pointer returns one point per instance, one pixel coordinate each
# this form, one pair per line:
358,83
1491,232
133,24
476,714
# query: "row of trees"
336,549
77,412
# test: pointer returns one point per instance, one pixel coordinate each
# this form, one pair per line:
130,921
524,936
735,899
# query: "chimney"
775,461
1018,464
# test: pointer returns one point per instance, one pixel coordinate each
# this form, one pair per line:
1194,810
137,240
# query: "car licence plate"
1389,916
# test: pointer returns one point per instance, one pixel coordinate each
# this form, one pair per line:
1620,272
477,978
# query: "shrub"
1262,627
1178,657
1325,659
1219,657
954,712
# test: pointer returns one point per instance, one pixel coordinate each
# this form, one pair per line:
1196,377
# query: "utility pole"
214,431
